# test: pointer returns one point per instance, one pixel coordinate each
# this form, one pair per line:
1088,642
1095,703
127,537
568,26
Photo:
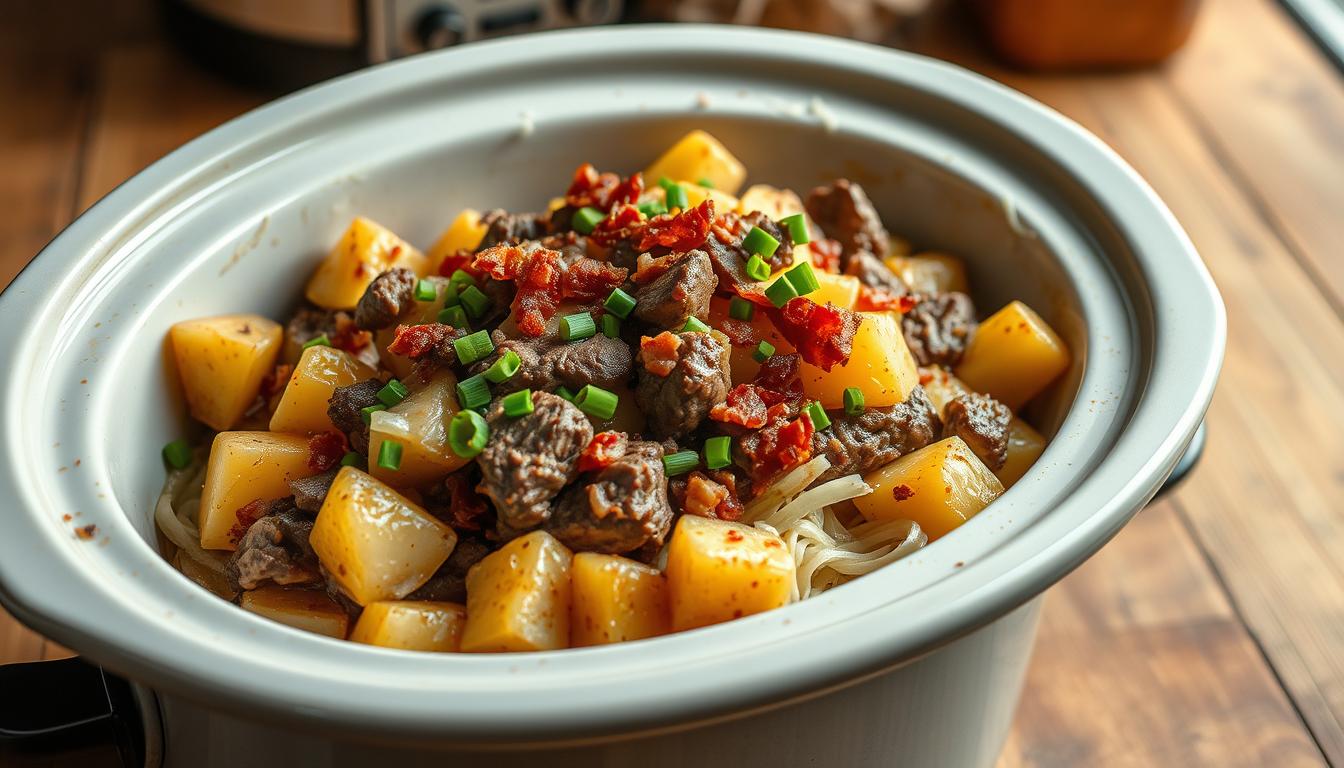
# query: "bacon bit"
246,515
649,267
780,445
325,450
682,232
604,449
882,300
348,336
746,405
706,496
416,341
659,353
822,334
536,274
86,532
602,190
740,333
902,492
590,280
275,381
456,260
780,374
826,255
466,505
624,223
731,507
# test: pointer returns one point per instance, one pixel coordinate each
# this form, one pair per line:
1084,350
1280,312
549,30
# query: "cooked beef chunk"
449,583
729,258
873,273
938,328
548,362
275,549
844,213
623,508
530,459
696,379
345,411
982,422
310,492
502,227
385,299
309,322
783,255
877,436
678,294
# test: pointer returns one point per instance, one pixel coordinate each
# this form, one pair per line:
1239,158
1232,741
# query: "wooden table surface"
1211,631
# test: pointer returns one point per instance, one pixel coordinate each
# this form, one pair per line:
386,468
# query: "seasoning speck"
86,532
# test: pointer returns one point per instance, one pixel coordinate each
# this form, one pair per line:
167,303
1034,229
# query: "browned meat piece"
275,549
875,437
310,322
729,258
982,422
873,273
680,379
449,583
678,294
844,213
502,227
530,459
623,508
310,492
938,328
548,362
345,411
385,299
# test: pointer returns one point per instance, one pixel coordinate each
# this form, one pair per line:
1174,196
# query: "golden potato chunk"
930,272
376,543
303,404
464,234
718,571
420,425
1025,446
518,597
697,194
221,361
366,250
773,202
305,609
615,599
411,625
1013,356
880,365
940,486
244,467
941,386
696,156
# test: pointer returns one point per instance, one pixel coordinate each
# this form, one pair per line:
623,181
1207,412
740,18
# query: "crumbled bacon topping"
881,300
703,496
348,336
275,381
659,353
325,450
590,280
416,341
780,445
624,223
746,405
682,232
602,190
542,280
246,515
826,255
822,334
456,260
604,449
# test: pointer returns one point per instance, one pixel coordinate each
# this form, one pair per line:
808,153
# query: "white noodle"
177,513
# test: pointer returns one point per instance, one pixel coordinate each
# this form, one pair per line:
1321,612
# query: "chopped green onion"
450,297
781,291
611,326
619,303
577,326
389,455
462,278
503,368
680,463
797,226
454,316
177,454
853,401
760,241
757,268
705,182
651,208
352,459
473,347
741,309
517,403
676,194
468,433
817,415
586,220
317,341
473,392
764,351
803,279
367,413
694,325
564,393
425,291
475,302
392,393
596,401
718,452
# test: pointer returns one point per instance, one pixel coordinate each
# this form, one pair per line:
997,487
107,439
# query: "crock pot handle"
68,713
1188,461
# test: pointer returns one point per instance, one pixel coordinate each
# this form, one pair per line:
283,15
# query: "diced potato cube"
930,272
464,234
772,201
941,386
939,486
306,609
244,467
376,543
1013,356
221,361
420,424
1025,446
411,625
718,571
697,194
880,365
615,599
366,250
518,597
697,155
840,290
303,404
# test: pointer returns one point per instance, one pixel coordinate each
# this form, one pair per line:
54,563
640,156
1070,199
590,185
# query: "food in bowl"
649,409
